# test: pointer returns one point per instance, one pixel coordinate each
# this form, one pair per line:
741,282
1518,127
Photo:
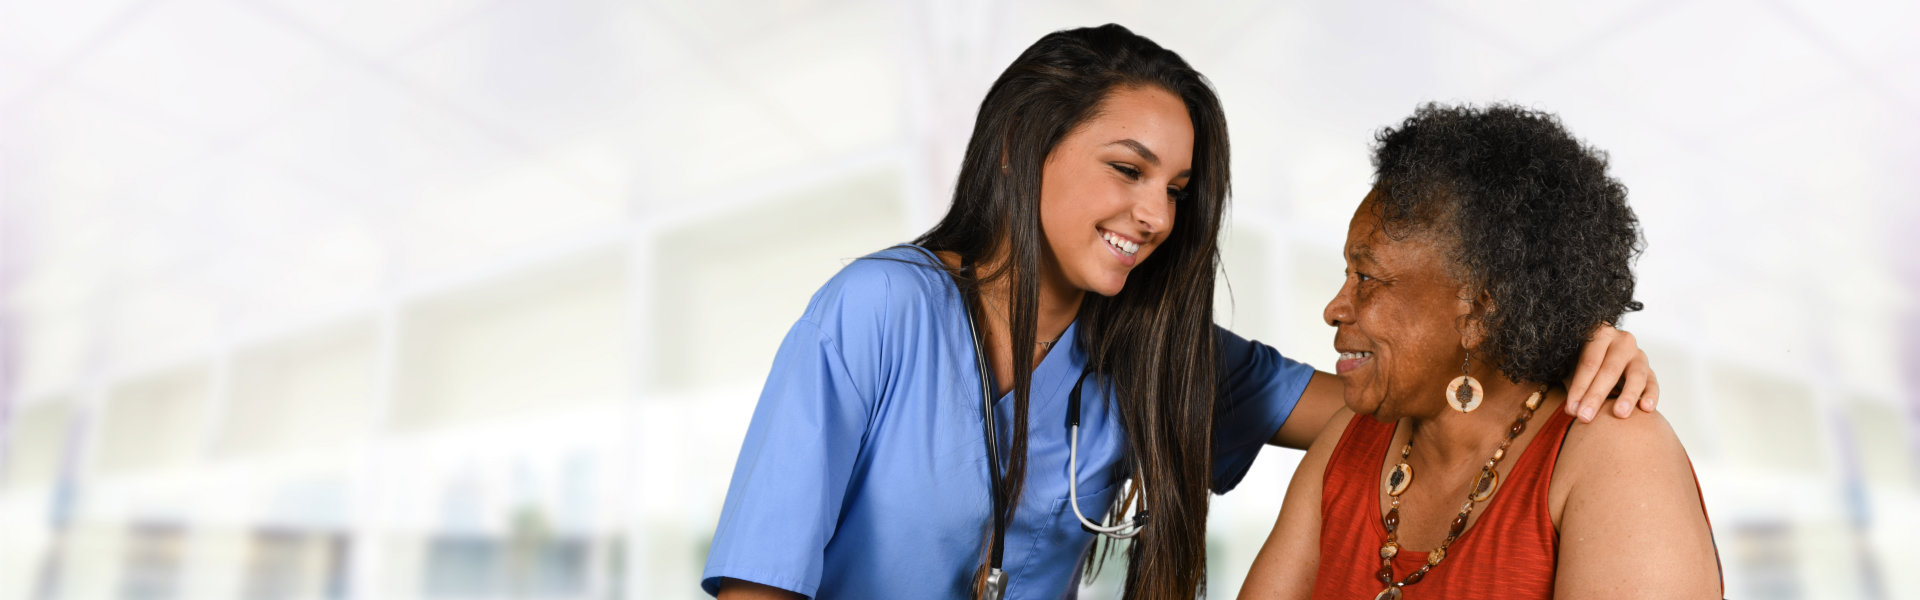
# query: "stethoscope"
996,584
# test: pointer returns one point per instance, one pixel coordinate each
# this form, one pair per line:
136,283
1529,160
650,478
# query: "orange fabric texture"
1509,552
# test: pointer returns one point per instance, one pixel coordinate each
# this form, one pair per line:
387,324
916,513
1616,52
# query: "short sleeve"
787,488
1258,389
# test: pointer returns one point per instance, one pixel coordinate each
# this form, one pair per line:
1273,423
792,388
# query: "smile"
1351,360
1120,243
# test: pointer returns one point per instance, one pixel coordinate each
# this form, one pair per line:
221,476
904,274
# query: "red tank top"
1509,552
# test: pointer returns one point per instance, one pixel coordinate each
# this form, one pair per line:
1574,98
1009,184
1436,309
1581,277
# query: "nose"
1154,212
1339,311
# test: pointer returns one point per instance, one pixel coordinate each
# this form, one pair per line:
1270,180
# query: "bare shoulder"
1286,564
1642,432
1330,434
1629,512
1612,456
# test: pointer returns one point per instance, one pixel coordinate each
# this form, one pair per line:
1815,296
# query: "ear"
1471,319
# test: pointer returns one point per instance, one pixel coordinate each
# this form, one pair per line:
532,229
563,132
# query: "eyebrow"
1141,149
1361,252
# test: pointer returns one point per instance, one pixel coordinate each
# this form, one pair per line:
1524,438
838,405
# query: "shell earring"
1464,393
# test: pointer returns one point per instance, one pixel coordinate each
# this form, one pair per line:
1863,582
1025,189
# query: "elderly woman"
1490,243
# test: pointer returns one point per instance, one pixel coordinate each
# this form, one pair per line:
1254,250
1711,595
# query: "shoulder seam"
829,343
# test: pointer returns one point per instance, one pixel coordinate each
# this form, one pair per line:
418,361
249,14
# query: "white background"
472,298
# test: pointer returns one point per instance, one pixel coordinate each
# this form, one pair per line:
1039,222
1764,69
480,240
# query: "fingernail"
1586,413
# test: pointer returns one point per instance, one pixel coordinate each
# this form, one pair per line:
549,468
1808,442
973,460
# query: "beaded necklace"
1401,477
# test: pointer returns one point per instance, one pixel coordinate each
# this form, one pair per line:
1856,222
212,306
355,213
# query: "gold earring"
1464,393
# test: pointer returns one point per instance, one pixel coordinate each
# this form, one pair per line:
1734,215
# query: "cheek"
1061,209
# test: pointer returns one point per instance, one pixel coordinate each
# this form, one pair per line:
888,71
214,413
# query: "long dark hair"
1154,341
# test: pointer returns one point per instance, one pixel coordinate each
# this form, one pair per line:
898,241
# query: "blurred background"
472,299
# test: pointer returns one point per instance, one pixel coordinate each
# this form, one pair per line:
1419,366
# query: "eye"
1126,170
1363,276
1175,194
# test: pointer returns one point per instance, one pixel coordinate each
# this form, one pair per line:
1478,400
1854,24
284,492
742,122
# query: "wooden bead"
1500,453
1390,550
1434,558
1533,402
1392,520
1483,485
1385,575
1514,432
1414,577
1459,524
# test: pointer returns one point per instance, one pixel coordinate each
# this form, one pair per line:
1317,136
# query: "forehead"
1149,114
1364,233
1367,241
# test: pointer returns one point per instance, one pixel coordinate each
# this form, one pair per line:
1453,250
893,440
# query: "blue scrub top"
863,474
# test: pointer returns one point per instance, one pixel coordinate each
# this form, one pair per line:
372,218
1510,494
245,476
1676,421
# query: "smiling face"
1108,189
1395,319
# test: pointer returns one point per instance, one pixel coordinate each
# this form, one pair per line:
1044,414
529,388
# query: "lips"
1351,360
1122,247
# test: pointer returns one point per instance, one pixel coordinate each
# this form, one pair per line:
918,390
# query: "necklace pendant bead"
1399,479
1392,520
1390,550
1483,487
1438,554
1391,593
1385,574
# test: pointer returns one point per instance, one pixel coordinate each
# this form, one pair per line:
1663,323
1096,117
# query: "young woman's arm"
1286,565
734,589
1612,357
1630,529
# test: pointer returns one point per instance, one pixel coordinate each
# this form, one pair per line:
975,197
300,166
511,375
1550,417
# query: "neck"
1454,437
1059,303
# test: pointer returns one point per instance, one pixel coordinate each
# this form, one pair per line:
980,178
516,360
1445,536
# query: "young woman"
943,414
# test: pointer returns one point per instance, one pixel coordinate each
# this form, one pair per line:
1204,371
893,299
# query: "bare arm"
735,589
1317,403
1611,359
1287,563
1631,529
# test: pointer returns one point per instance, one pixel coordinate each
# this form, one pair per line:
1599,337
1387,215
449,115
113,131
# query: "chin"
1360,402
1106,285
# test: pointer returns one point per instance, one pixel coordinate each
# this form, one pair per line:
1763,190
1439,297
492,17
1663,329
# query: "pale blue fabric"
863,474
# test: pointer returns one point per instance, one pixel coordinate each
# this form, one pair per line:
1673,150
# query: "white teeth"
1119,243
1349,355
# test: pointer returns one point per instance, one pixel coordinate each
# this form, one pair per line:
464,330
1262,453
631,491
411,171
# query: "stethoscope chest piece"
996,587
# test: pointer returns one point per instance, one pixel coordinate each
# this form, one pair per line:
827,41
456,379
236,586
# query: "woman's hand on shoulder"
1629,514
1612,360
